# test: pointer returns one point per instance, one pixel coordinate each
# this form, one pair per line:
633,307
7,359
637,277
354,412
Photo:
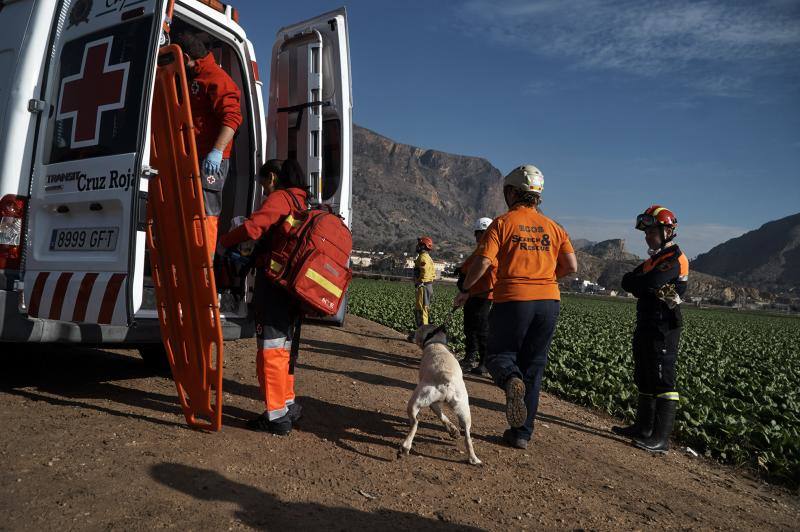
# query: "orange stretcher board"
186,295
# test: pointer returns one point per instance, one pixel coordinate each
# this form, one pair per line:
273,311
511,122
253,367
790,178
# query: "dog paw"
454,432
402,451
475,461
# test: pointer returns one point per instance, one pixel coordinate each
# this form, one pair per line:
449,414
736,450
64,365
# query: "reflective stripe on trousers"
272,366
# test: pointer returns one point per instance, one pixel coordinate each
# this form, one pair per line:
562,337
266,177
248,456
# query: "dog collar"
432,341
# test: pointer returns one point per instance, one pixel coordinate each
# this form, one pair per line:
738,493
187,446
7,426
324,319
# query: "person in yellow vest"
424,274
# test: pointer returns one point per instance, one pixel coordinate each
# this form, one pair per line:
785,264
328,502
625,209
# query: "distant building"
360,261
440,266
584,286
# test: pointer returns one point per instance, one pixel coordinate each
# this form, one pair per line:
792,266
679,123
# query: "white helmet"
482,224
527,178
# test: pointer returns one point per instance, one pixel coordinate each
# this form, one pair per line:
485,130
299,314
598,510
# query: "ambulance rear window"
331,157
100,92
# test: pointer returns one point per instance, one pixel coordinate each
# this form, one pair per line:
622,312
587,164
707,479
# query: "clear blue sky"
694,105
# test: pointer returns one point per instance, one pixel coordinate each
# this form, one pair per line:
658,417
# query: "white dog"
440,382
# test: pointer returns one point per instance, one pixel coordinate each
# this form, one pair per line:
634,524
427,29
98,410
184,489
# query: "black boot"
468,362
662,428
281,426
295,412
516,409
511,438
643,426
480,370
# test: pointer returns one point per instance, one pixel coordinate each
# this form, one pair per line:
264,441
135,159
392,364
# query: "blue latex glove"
212,162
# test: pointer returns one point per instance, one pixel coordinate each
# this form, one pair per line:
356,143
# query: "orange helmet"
656,215
425,242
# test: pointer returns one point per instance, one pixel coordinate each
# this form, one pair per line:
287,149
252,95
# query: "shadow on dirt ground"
78,377
82,377
360,353
262,510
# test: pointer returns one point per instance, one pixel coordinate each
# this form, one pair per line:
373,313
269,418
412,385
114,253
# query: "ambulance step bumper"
17,327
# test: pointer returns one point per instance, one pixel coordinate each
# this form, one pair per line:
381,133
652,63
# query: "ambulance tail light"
219,6
12,210
214,4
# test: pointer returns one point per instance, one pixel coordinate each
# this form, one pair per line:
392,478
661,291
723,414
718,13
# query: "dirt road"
92,440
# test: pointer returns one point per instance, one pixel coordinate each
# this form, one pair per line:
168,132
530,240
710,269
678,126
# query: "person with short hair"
531,252
216,115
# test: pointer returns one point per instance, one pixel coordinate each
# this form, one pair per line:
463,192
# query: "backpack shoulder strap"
294,201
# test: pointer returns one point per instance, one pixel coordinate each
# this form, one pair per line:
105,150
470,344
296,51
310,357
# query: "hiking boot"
468,362
281,426
643,425
295,412
511,438
480,370
662,428
516,411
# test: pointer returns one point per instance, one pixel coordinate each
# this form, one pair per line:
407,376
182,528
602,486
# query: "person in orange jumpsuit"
216,115
275,312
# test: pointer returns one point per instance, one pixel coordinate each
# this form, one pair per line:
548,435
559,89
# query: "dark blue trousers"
520,333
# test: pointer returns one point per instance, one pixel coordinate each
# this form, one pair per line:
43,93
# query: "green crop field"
738,373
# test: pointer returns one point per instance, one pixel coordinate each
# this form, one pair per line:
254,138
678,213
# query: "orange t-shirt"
525,245
484,286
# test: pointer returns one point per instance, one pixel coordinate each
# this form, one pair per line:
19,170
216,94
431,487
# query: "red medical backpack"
309,257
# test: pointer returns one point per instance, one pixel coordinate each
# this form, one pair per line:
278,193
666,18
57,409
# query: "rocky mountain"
401,191
581,243
606,262
768,257
612,250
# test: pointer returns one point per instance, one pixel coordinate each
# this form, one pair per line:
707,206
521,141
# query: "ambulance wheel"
155,358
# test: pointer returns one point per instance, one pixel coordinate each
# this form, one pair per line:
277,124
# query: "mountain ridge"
767,257
402,191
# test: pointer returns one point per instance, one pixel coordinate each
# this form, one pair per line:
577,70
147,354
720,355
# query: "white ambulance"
76,82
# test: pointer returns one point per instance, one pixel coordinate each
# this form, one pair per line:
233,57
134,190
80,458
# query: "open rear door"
84,226
186,295
310,106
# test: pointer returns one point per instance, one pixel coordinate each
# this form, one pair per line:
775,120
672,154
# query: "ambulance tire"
155,358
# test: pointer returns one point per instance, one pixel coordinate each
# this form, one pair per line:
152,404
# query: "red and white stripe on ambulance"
80,297
84,248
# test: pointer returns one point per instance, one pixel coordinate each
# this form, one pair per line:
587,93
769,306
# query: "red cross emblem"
98,87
